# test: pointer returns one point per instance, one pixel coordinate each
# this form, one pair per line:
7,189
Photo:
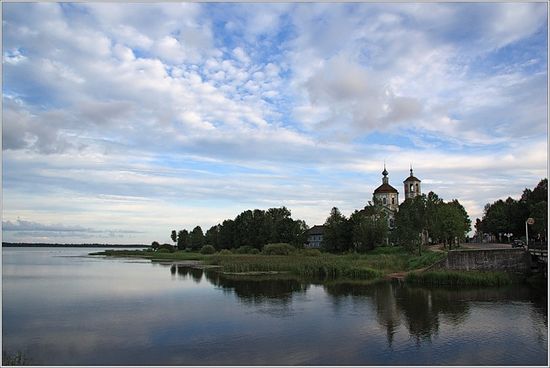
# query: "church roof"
385,188
411,178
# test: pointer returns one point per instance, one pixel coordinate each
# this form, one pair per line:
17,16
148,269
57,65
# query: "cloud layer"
151,117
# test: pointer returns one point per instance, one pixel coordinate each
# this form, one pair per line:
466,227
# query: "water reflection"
420,310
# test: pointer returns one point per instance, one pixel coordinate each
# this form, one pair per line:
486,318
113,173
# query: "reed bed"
461,278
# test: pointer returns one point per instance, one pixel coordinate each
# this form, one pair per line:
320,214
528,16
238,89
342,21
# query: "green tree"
227,235
432,203
174,236
212,236
197,238
337,236
412,221
183,239
369,227
539,212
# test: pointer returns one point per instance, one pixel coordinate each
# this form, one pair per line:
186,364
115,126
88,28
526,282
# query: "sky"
122,122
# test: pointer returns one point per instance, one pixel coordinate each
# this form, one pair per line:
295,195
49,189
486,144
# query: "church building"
385,195
388,196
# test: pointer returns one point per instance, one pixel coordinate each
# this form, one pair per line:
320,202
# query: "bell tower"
412,186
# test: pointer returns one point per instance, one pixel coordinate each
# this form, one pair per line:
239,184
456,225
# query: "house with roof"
315,236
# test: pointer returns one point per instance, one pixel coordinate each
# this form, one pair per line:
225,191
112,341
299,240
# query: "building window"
384,200
417,187
392,200
412,187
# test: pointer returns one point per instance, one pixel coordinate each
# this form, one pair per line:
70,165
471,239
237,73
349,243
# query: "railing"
541,254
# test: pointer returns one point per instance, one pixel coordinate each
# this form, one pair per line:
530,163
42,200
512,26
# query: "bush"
208,249
225,252
311,252
278,249
166,248
245,249
254,251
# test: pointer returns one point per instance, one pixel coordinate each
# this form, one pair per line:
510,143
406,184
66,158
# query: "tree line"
505,219
252,228
420,220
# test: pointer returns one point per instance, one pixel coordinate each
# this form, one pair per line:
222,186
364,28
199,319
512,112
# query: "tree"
337,235
539,212
432,203
449,224
174,236
466,224
212,236
183,239
227,235
412,221
369,227
197,238
155,245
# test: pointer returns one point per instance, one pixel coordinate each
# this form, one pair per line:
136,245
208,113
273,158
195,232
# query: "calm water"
63,308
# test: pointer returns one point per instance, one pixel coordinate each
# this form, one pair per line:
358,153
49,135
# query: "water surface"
61,307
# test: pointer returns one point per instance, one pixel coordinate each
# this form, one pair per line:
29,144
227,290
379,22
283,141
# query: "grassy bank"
150,254
461,278
372,265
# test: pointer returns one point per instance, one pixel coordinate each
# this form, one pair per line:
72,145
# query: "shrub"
254,251
245,249
225,252
208,249
278,249
311,252
166,248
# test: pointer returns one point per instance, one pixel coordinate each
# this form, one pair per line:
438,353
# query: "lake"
62,307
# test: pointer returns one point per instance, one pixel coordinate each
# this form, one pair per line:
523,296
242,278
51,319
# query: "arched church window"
392,200
412,187
384,200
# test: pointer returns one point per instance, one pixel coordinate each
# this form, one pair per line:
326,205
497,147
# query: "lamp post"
530,221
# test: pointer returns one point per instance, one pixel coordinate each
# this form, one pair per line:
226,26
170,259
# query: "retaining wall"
509,260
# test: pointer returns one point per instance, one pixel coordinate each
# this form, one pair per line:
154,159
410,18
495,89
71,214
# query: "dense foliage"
428,218
362,231
507,217
278,249
252,229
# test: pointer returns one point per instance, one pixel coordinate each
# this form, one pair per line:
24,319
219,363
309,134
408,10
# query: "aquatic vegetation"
461,278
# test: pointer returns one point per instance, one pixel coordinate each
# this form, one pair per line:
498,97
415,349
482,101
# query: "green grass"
324,266
355,266
460,278
179,255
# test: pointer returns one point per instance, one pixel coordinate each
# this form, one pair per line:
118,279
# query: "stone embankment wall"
509,260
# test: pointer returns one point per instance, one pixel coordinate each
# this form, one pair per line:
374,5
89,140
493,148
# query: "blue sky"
122,122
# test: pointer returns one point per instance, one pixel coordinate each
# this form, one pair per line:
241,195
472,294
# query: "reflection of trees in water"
273,294
186,271
382,295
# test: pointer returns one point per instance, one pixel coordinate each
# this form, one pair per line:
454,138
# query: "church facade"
388,197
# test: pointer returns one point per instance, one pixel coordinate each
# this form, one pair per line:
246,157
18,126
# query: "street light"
530,221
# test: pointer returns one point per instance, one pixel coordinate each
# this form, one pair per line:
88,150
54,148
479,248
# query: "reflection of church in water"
388,196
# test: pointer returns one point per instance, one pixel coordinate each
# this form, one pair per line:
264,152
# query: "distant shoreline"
56,245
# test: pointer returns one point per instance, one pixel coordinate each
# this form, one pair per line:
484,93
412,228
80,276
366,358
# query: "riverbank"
378,263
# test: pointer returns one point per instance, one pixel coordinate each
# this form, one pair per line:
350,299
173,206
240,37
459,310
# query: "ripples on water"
82,310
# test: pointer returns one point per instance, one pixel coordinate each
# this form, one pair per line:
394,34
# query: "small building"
315,237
